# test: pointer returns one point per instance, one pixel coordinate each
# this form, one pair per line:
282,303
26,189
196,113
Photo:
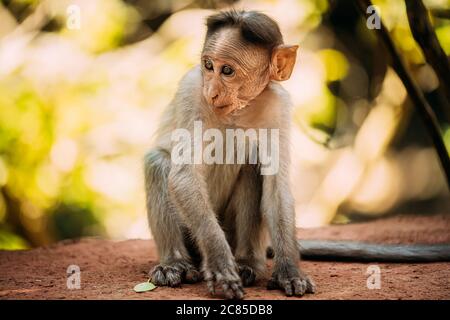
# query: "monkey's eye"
208,65
227,70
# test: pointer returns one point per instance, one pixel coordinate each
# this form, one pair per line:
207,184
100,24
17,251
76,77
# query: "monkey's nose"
213,99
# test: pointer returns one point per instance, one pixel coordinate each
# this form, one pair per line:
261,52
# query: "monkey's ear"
283,61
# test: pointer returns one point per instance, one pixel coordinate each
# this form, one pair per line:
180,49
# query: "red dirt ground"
109,269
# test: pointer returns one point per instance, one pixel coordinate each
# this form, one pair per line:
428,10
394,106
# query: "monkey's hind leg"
167,228
250,244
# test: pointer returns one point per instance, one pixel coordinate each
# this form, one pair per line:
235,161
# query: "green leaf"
144,286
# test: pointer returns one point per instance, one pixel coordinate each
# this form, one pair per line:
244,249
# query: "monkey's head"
243,51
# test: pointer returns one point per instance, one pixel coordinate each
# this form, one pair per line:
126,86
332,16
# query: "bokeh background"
80,100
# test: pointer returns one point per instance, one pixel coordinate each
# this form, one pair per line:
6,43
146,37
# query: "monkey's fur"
211,221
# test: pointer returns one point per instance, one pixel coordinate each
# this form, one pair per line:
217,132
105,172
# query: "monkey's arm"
188,191
277,205
362,251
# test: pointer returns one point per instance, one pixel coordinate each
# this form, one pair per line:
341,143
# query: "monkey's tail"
332,250
361,251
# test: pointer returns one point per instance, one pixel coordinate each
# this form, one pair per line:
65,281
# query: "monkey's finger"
173,277
247,275
238,290
211,287
310,286
239,294
287,286
232,290
272,284
157,276
192,276
299,287
229,294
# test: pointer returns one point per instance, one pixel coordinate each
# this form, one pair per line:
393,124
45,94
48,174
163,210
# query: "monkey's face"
234,73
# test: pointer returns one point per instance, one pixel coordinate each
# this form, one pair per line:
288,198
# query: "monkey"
212,221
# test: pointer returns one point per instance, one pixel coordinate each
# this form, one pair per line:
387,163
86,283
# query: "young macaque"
214,217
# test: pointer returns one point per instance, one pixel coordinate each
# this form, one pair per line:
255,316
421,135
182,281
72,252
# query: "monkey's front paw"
228,280
292,281
174,274
247,275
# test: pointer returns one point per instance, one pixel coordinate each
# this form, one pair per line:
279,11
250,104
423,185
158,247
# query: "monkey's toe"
193,276
233,290
248,276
